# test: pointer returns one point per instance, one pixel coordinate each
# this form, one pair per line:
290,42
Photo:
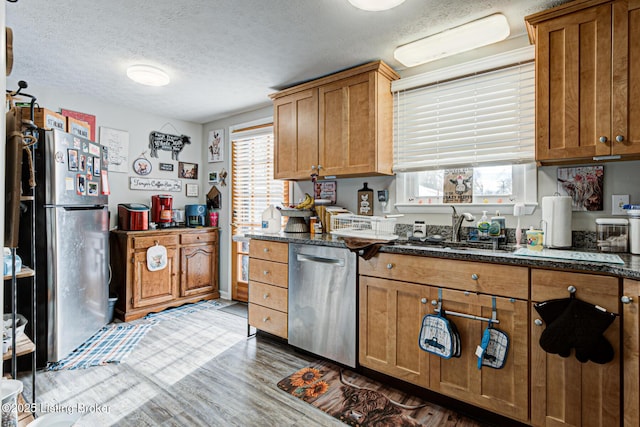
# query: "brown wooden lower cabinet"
564,391
630,346
534,387
191,273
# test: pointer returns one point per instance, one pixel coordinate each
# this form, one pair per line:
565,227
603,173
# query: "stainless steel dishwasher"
322,301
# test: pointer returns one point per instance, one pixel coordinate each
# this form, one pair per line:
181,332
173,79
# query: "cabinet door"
154,287
390,318
630,358
347,130
565,392
626,77
573,85
296,135
198,268
504,391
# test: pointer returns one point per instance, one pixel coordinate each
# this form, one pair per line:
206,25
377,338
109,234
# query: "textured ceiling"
224,57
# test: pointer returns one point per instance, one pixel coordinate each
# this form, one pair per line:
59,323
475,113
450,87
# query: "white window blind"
253,185
483,119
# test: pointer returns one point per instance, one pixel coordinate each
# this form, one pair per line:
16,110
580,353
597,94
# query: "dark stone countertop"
630,269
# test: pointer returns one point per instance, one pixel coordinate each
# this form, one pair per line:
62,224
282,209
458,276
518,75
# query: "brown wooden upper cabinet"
587,80
338,125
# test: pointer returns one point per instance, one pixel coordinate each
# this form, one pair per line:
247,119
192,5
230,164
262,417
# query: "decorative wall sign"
325,190
458,185
187,170
142,166
215,146
192,190
167,142
89,118
167,167
155,184
117,142
585,185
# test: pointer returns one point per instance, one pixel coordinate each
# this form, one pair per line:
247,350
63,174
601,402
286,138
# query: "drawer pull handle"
389,266
265,296
572,289
423,300
474,276
266,272
626,300
538,322
265,319
266,249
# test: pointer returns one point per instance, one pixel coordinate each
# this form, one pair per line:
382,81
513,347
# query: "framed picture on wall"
192,190
187,170
215,146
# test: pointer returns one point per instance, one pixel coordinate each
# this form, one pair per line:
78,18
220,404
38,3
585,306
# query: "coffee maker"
195,215
161,210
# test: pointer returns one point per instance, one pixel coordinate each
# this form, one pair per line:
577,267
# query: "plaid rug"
112,344
171,313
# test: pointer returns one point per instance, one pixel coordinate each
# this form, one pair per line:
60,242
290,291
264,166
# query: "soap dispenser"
502,222
483,225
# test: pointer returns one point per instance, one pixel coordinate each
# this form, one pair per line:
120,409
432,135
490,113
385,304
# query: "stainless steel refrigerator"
72,229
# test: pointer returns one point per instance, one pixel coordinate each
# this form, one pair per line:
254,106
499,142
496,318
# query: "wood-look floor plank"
195,370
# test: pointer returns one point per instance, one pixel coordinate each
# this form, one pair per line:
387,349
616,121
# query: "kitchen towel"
556,217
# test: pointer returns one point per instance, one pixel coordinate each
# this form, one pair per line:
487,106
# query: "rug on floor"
359,401
111,344
171,313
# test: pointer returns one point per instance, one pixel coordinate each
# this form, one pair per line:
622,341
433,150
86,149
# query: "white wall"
224,220
138,124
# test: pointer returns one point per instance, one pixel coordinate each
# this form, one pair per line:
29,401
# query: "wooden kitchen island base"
190,275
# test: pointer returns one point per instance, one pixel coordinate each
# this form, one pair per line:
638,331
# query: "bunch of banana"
307,203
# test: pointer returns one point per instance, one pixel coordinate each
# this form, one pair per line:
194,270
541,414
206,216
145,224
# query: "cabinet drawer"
191,238
592,288
148,241
493,279
273,273
268,320
272,251
268,296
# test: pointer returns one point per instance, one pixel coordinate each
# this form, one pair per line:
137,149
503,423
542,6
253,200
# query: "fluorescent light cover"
375,5
472,35
148,75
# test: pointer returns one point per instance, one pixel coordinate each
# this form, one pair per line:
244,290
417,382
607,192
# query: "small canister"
612,234
535,239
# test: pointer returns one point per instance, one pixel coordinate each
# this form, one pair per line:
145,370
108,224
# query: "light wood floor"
195,370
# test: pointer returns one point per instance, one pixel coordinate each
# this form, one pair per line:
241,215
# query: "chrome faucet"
456,223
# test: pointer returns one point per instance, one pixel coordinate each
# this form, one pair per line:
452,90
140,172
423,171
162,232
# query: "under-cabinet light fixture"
475,34
375,5
148,75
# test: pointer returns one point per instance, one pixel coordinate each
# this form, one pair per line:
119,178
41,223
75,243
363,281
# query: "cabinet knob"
474,276
626,300
619,138
313,167
265,296
423,300
319,167
603,139
389,266
265,272
265,319
538,322
266,250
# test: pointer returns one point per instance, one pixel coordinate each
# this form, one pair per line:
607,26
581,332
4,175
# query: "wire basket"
366,227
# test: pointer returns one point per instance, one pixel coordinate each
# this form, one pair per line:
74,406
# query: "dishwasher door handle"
313,258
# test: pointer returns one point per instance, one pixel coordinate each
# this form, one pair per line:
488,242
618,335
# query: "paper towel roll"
556,217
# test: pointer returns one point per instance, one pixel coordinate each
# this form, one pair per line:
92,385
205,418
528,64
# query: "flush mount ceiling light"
148,75
375,5
484,31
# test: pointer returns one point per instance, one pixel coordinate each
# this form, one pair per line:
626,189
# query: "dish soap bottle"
502,222
483,225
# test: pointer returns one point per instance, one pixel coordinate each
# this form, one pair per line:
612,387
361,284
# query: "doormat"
171,313
359,401
237,309
111,344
